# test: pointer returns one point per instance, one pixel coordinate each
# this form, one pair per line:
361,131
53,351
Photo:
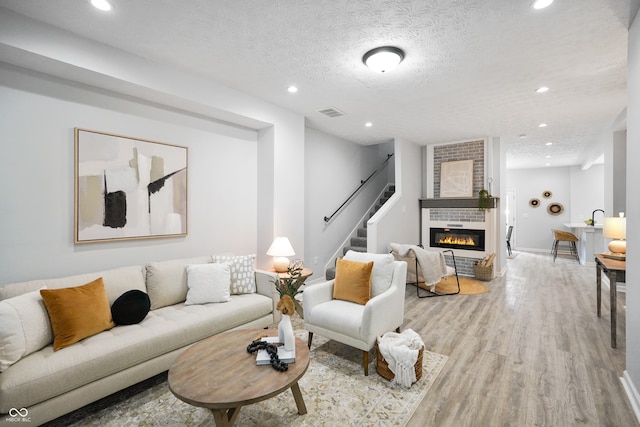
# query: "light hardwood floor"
530,352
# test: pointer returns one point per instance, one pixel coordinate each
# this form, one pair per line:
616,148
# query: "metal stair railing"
362,184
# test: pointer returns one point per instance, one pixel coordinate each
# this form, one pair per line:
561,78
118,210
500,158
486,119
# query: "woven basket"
383,368
483,272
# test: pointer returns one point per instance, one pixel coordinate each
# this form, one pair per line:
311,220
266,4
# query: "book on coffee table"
262,358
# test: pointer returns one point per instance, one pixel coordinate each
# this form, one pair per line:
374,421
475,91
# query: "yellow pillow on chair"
353,281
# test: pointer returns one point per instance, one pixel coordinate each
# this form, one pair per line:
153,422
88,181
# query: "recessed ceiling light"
542,125
384,58
542,89
541,4
547,164
522,135
292,89
102,5
547,157
549,143
368,124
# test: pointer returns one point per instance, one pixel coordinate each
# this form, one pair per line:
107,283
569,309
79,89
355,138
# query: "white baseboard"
632,393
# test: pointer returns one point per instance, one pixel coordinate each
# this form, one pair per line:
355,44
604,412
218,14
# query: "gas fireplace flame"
457,240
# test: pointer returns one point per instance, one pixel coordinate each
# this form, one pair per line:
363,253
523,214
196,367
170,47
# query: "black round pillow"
130,308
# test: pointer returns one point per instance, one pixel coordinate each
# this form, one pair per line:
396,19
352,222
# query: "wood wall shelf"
456,202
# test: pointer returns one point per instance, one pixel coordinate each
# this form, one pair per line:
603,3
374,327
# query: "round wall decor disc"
555,208
534,203
547,194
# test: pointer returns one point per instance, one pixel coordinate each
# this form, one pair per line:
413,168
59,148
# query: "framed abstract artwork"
128,188
456,179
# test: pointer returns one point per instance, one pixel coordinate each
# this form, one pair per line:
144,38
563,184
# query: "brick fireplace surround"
459,213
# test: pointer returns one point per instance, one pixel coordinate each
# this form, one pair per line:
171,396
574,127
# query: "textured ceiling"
470,71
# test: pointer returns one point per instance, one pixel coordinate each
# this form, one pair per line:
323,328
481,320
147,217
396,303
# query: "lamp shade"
615,228
281,247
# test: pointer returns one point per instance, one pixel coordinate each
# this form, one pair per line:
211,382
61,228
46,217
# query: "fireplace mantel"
456,202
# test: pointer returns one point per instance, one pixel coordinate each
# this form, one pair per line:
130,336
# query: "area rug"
467,286
334,388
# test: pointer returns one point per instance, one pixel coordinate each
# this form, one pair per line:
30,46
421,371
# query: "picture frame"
128,188
456,178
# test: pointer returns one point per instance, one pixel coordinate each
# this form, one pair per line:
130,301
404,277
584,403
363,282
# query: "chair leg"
309,340
509,248
365,362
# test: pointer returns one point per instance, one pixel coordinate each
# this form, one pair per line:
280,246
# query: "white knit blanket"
400,350
432,264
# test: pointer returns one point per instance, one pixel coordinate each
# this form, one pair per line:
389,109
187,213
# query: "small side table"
616,271
304,274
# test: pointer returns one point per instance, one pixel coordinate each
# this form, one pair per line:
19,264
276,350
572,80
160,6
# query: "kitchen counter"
590,240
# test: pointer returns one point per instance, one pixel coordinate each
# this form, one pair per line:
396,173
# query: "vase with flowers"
288,286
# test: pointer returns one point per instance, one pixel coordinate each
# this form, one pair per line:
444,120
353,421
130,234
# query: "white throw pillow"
167,280
243,279
208,283
382,269
24,327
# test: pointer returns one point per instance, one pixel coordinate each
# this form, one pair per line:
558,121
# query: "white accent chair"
354,324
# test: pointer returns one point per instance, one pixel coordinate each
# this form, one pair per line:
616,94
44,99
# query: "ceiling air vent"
331,112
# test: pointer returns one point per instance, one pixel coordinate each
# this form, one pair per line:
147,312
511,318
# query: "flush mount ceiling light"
102,5
292,89
541,4
383,59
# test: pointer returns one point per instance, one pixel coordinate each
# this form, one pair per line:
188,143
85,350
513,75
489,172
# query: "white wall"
632,373
587,193
33,45
399,220
333,170
533,225
36,179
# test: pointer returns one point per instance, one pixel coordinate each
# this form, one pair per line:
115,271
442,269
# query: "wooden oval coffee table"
218,373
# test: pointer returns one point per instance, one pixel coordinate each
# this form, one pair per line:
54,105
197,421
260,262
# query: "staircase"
358,242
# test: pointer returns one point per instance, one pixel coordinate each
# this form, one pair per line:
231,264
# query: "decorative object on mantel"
547,194
484,200
456,179
534,203
555,208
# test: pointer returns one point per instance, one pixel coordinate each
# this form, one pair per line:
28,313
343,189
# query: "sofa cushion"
382,273
242,272
353,281
167,280
46,373
208,283
24,327
77,313
130,308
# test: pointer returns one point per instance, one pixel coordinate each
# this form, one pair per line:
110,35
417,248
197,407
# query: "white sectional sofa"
46,384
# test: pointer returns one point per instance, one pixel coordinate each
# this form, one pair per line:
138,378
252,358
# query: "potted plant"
484,200
288,285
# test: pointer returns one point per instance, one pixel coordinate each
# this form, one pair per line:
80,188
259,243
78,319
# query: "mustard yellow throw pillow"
77,313
353,281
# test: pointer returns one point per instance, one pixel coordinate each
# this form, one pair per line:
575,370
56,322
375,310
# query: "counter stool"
561,236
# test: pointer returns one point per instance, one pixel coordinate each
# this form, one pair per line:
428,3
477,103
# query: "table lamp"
281,249
616,228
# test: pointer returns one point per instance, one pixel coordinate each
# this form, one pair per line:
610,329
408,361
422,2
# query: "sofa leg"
398,329
309,340
365,362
